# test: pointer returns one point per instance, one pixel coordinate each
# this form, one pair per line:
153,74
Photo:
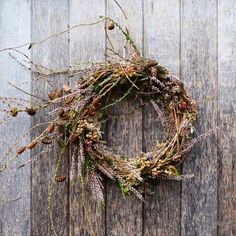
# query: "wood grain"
49,17
124,216
162,209
227,113
15,185
199,72
86,44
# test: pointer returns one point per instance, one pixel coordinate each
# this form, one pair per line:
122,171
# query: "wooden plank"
15,215
227,113
49,17
162,210
124,216
86,44
199,72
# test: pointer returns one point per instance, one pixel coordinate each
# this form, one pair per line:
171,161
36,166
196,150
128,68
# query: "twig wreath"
81,110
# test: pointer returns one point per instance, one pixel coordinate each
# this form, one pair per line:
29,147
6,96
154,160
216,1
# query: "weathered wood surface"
49,17
14,185
199,72
124,216
86,44
227,113
162,210
196,41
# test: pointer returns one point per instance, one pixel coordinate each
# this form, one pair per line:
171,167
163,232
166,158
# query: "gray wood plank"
86,44
199,72
15,215
162,42
49,17
227,113
124,216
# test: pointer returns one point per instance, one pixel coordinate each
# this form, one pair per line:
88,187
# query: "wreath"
81,111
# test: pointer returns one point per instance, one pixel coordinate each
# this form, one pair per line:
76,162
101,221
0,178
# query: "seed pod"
60,178
111,25
96,101
21,150
74,138
32,144
14,112
66,89
46,140
30,111
50,128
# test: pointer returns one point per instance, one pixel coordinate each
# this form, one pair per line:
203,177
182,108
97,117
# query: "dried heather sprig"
161,115
96,187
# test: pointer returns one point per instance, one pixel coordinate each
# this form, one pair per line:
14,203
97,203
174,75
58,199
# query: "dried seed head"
60,178
66,89
30,111
21,150
32,144
111,25
14,112
46,140
50,128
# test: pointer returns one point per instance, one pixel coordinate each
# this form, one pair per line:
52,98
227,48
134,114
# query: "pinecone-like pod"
21,150
30,111
14,112
46,140
50,128
32,144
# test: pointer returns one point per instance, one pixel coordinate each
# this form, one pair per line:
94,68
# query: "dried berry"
32,144
14,111
183,106
50,128
111,25
30,111
46,140
21,150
